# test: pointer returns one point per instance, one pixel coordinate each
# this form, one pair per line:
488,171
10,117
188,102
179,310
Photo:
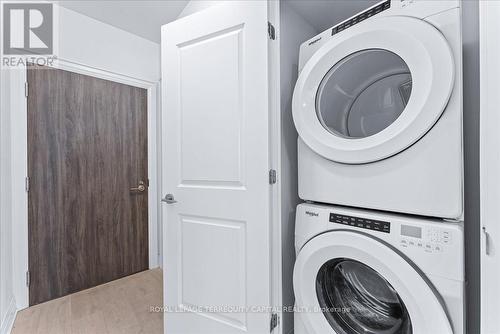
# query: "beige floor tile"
121,306
55,319
92,324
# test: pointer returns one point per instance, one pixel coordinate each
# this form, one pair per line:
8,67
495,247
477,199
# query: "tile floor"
121,306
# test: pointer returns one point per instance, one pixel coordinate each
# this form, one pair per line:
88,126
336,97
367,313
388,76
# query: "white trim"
10,316
19,163
159,172
20,229
79,68
489,16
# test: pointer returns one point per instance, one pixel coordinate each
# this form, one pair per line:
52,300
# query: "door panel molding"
229,258
224,100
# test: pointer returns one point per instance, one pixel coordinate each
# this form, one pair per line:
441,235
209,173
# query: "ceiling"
324,14
142,18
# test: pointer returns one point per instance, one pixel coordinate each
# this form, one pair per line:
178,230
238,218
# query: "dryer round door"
374,89
351,283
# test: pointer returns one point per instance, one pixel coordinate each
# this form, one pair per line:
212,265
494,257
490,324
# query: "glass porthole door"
354,298
363,94
373,90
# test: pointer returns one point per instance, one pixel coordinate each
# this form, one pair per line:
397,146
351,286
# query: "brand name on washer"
312,214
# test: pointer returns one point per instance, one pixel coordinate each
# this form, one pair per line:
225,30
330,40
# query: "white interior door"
216,162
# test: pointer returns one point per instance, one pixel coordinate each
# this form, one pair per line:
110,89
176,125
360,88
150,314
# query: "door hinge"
486,240
272,176
26,89
28,279
274,322
271,31
27,184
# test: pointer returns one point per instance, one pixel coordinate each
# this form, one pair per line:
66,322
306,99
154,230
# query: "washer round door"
347,282
373,90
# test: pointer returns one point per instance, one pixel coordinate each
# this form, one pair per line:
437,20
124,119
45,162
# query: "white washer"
363,272
378,109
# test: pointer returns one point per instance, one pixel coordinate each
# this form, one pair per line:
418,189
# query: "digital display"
411,231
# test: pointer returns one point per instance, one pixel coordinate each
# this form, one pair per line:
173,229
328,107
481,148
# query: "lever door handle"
169,199
140,188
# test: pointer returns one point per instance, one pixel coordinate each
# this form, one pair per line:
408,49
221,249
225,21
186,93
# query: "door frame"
275,137
20,160
489,25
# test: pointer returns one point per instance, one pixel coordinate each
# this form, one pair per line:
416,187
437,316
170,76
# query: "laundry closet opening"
375,98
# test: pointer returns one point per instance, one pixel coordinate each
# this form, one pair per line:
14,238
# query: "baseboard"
10,316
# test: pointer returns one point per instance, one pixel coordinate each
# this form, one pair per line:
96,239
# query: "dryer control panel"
366,223
374,10
420,9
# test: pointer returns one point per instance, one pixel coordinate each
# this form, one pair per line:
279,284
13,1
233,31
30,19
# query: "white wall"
91,44
294,31
194,6
7,302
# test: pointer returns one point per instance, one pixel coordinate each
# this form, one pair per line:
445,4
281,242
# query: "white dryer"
378,109
360,272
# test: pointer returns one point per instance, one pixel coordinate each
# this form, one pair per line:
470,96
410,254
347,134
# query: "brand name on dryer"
314,41
312,214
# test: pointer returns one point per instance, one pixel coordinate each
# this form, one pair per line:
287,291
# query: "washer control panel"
369,224
431,240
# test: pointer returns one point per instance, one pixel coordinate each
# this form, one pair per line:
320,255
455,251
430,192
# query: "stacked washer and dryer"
378,109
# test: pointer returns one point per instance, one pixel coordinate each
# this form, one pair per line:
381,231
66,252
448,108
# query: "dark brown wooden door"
87,147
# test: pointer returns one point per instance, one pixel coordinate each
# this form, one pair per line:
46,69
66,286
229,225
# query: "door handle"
169,199
140,188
